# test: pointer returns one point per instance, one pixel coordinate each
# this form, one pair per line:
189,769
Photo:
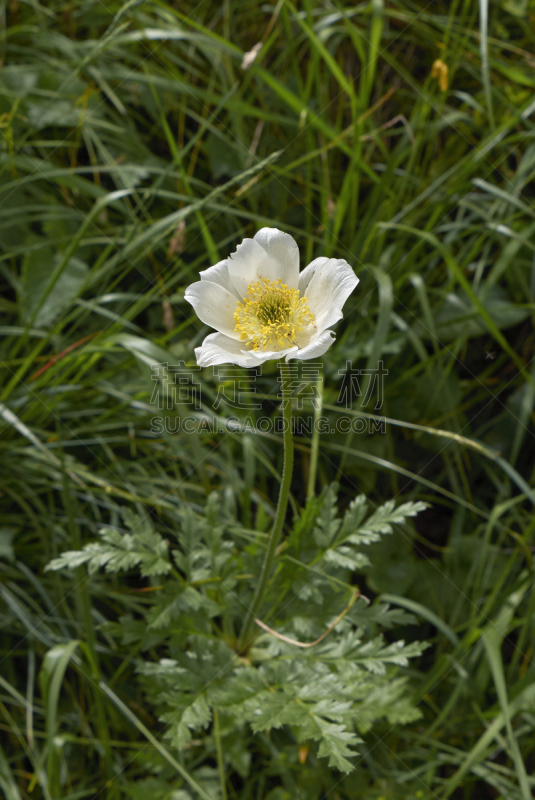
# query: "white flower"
263,308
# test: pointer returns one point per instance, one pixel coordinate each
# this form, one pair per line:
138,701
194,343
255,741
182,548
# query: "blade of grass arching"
507,197
193,143
498,615
525,412
160,229
313,152
39,170
498,594
349,190
446,710
374,47
457,272
51,677
522,701
7,779
419,285
153,740
473,444
98,207
45,600
347,198
507,256
522,650
429,191
83,600
412,336
413,476
345,84
30,705
152,234
33,756
34,627
424,612
495,778
13,420
469,162
19,698
482,563
491,642
386,302
442,387
312,119
280,89
309,146
178,159
484,49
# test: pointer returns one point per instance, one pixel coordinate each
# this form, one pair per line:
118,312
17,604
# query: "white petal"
316,348
328,289
306,275
220,349
250,263
282,249
219,274
271,355
214,306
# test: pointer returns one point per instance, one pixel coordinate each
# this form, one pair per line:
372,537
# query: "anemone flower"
263,308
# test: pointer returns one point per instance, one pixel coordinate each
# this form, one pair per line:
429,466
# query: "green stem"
220,762
314,449
245,636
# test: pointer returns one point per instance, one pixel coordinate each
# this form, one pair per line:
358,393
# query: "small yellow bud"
440,70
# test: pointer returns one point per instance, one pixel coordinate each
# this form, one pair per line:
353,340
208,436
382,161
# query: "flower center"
271,315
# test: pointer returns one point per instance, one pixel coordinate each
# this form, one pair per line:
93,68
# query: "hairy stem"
274,536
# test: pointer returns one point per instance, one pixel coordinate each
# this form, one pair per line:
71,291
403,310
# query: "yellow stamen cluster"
271,315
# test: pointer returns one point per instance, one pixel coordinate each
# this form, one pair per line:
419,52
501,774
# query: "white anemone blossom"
263,308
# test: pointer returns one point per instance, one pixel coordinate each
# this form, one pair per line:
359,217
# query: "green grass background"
136,150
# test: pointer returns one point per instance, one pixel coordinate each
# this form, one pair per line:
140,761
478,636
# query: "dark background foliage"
134,151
